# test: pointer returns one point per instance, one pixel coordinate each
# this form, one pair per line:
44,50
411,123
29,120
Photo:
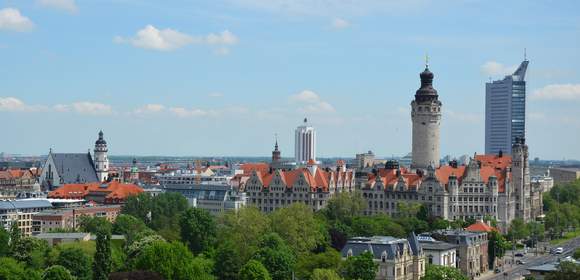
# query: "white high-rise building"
305,143
101,158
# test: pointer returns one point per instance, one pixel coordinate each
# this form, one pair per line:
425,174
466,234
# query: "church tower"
426,117
276,154
521,178
101,158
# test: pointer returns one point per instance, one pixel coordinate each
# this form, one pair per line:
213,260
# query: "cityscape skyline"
237,82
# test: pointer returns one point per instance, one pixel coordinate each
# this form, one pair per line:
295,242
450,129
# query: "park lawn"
567,236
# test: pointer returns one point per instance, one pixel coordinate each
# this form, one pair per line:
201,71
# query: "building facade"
365,160
305,143
472,251
505,111
68,219
313,186
426,118
564,174
397,258
438,252
101,158
21,212
215,198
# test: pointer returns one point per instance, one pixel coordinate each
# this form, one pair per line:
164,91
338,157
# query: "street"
515,271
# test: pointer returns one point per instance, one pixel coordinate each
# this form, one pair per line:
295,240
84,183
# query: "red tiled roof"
480,226
321,178
248,168
116,191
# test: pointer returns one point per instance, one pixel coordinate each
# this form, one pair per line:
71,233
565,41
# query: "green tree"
328,260
129,226
324,274
76,261
497,245
297,225
102,264
15,235
173,261
94,224
31,251
576,255
10,269
242,229
57,272
361,267
198,229
438,272
276,256
254,270
4,242
227,262
136,247
376,225
566,271
344,207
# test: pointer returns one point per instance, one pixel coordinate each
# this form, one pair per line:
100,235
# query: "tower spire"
426,61
525,54
276,138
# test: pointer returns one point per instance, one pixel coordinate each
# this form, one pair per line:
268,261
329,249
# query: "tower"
101,158
521,179
276,154
305,143
505,111
426,117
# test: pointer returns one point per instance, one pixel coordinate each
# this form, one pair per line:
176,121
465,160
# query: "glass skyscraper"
505,111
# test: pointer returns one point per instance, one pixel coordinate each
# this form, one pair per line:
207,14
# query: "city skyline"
155,84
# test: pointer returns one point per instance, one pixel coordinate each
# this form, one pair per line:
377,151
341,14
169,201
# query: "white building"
438,252
305,143
101,158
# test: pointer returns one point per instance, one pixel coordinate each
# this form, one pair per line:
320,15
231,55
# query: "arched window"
430,259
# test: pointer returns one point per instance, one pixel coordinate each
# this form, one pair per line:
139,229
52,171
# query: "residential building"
471,249
397,258
213,198
21,212
104,193
438,252
426,119
564,174
505,111
272,189
76,168
305,143
68,219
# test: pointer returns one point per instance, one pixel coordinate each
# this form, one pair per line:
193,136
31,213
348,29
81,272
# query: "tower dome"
101,140
426,92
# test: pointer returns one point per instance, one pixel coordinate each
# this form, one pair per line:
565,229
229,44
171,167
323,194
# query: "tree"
10,269
438,272
496,247
102,264
566,271
137,247
376,225
198,229
518,230
276,256
76,261
576,255
242,228
4,242
94,224
297,225
31,251
361,267
129,226
56,272
344,207
254,270
324,274
173,261
329,260
227,262
15,235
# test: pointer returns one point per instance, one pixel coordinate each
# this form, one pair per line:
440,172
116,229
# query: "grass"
567,236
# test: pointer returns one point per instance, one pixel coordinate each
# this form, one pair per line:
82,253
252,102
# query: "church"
76,168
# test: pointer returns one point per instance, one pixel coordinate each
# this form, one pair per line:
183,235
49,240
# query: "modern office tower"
305,143
505,111
426,117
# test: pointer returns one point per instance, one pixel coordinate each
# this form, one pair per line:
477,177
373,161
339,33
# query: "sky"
223,77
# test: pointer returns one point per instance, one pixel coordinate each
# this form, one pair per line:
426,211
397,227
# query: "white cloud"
65,5
11,19
493,68
150,108
92,108
11,104
310,102
184,113
216,94
169,39
566,92
339,23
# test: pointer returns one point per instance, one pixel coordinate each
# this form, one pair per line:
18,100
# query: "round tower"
426,118
101,159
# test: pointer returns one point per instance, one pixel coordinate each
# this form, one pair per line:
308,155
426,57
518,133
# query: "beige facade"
564,175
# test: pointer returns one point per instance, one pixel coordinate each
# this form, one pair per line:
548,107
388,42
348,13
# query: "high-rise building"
101,159
426,117
305,143
505,111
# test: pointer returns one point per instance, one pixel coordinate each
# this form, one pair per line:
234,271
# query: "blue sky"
221,77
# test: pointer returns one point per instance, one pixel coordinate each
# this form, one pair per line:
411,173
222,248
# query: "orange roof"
494,161
248,168
321,178
480,226
116,191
